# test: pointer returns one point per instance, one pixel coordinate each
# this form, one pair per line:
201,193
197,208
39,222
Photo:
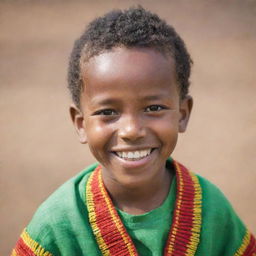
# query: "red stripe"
22,249
251,248
110,233
100,210
184,213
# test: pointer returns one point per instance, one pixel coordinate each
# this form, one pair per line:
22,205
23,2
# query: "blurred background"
39,149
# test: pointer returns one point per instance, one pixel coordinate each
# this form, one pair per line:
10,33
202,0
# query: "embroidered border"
248,247
26,246
110,232
108,229
184,235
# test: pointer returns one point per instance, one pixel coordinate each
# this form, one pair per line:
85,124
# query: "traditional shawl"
80,219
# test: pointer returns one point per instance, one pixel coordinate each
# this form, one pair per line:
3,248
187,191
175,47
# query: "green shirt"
149,231
61,227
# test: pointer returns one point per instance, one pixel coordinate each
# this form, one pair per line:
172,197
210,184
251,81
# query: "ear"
186,105
78,121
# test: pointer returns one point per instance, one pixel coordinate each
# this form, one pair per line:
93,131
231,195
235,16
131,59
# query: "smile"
134,155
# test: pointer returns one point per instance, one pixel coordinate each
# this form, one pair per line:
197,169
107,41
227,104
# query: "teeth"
137,154
134,154
130,155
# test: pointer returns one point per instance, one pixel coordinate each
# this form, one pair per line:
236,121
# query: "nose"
131,128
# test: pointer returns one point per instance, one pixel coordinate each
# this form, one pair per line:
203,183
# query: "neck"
140,198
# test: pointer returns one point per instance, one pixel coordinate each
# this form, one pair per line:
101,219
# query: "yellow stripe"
176,220
35,247
197,219
14,253
92,216
115,220
245,243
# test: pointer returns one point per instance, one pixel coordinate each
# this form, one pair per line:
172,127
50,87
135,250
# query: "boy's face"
131,113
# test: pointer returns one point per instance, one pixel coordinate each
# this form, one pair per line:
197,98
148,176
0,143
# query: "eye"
154,108
106,112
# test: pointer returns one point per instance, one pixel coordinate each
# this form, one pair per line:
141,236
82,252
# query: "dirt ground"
39,149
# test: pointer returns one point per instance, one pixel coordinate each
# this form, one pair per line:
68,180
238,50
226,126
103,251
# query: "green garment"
149,231
61,224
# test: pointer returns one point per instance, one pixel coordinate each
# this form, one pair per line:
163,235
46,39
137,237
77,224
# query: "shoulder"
212,196
222,230
215,204
59,202
61,214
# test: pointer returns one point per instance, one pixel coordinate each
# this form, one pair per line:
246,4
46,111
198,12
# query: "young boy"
129,79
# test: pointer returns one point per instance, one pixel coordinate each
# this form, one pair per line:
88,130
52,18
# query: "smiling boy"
129,78
132,134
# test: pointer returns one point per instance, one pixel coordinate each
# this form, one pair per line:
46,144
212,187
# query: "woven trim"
27,246
92,216
14,253
184,235
107,227
111,234
248,247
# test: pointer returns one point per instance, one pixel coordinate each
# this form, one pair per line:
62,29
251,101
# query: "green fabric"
149,231
61,225
222,230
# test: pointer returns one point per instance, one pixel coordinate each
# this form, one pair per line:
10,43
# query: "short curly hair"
134,27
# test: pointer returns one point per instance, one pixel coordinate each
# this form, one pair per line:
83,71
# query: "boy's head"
132,28
129,80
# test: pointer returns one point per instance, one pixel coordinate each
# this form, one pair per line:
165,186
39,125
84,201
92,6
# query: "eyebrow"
102,101
110,101
154,97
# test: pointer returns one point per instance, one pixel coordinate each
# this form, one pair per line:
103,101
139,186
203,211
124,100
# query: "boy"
129,79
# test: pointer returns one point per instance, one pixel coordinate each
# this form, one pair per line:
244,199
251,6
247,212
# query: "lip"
128,164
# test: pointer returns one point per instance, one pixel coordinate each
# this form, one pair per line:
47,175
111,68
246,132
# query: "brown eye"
106,112
154,108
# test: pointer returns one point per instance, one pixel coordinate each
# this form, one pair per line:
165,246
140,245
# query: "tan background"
39,148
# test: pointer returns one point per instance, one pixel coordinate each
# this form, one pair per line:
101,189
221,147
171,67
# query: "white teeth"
137,154
134,155
130,155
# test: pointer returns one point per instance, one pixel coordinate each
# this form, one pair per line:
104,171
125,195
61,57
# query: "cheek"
167,126
98,137
167,132
96,134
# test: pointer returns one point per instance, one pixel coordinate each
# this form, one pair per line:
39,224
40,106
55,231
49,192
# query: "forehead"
124,69
125,59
